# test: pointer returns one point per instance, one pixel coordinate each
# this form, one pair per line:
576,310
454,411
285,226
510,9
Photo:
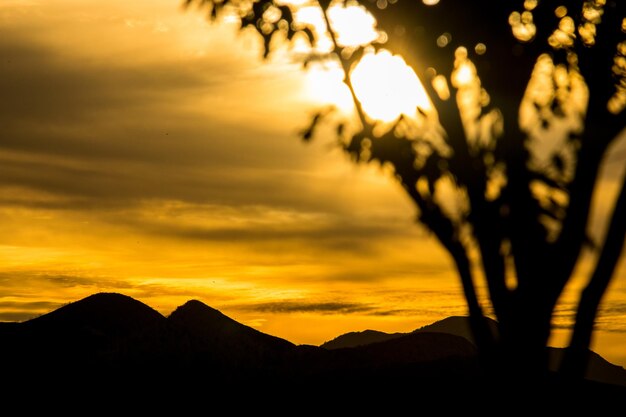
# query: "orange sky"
146,152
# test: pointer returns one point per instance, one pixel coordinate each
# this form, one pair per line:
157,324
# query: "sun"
387,87
384,84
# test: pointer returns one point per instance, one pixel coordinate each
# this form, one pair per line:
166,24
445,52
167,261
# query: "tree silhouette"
505,79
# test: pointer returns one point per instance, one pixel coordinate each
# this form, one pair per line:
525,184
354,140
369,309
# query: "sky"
147,152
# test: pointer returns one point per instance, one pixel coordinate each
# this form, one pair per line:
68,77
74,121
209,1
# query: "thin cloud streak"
307,307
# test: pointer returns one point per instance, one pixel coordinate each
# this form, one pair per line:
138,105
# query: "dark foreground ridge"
599,369
110,345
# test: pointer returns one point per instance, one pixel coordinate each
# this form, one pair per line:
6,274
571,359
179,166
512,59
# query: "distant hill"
456,325
114,329
88,330
599,368
354,339
111,346
227,346
215,327
109,313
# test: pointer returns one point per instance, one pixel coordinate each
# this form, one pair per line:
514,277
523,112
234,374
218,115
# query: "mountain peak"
195,307
214,326
115,335
194,304
105,313
197,314
108,296
105,303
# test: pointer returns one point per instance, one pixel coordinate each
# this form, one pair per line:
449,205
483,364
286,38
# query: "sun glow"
325,85
353,25
383,83
387,87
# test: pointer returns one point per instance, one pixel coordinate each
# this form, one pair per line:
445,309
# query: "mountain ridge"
599,369
114,340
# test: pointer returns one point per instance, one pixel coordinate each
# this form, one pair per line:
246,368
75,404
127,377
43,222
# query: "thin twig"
345,65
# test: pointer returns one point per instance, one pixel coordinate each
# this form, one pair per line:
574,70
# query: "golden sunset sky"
147,152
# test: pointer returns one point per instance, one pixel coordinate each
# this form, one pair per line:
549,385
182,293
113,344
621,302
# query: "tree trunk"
523,353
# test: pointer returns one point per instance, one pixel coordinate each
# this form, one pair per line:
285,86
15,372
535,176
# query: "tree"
499,82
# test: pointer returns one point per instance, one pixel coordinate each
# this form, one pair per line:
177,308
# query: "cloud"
349,308
147,137
610,317
17,316
24,282
295,306
131,127
29,305
12,311
334,237
107,132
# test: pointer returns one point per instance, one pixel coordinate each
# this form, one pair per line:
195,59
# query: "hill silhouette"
86,325
599,369
234,351
107,312
215,327
102,333
456,325
110,345
354,339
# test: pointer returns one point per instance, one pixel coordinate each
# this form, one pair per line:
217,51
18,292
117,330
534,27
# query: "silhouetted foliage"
505,78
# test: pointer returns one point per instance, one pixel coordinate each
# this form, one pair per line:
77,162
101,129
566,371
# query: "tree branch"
432,216
468,168
601,128
345,65
444,230
576,357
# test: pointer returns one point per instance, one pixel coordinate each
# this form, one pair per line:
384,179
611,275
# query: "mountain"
599,369
82,327
259,354
227,346
110,346
102,333
112,335
456,325
109,314
403,354
215,327
354,339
